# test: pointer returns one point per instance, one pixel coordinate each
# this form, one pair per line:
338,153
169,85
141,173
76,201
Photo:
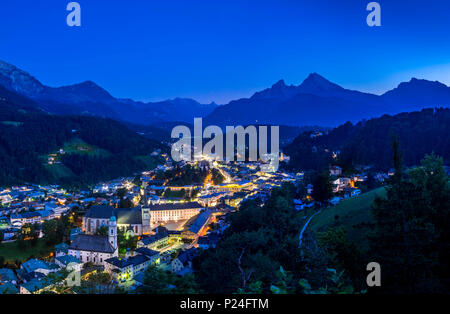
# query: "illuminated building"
162,213
198,228
126,268
234,187
335,171
96,249
136,219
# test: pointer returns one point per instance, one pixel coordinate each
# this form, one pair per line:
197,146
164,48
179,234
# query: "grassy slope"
11,252
351,212
12,123
150,162
75,146
78,146
59,171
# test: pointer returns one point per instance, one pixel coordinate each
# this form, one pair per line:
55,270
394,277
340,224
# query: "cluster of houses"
170,232
345,186
30,205
35,204
102,252
33,276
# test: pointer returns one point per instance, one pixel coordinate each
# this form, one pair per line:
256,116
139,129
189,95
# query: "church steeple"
145,212
112,232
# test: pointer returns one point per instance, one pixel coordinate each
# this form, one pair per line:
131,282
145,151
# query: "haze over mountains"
316,101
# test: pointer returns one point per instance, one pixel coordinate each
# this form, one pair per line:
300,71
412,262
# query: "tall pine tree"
410,234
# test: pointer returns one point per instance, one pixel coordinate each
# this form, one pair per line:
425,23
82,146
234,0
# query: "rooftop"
67,259
62,247
125,262
147,252
201,220
92,243
146,240
7,275
35,285
34,264
124,216
8,288
175,206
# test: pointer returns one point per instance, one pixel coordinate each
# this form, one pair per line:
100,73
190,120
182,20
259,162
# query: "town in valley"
121,227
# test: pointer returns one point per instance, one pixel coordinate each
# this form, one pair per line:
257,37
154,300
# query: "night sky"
215,50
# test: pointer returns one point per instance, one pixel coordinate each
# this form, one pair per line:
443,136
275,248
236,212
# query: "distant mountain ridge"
419,93
316,101
87,98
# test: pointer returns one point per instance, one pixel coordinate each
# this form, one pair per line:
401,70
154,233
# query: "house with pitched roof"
184,261
69,262
34,286
126,268
8,288
154,256
7,276
35,265
61,249
155,242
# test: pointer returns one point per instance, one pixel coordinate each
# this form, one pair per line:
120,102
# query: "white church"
94,248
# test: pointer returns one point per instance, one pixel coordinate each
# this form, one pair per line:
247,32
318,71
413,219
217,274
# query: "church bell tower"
112,232
145,211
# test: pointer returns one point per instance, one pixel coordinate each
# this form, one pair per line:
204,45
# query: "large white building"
162,213
140,220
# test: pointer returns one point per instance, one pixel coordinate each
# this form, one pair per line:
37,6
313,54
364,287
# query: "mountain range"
316,101
87,98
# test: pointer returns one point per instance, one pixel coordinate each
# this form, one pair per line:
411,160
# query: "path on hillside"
300,238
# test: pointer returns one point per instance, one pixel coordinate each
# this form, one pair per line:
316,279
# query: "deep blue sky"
225,49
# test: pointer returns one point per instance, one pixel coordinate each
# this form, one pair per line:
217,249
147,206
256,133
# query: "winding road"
304,228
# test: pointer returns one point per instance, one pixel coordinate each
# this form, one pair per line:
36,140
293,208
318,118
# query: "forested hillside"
28,136
369,142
